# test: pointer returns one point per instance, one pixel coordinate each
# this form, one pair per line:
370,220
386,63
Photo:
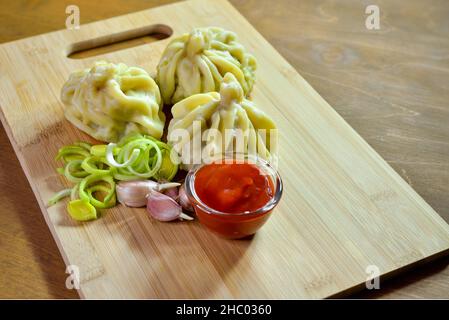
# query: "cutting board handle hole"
118,41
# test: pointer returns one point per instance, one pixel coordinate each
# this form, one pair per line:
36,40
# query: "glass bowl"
234,225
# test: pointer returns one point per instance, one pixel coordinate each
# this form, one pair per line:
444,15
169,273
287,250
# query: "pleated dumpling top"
196,63
227,121
108,101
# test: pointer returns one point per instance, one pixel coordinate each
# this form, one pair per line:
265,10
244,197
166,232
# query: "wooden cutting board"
344,208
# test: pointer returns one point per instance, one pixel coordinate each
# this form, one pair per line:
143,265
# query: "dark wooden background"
391,85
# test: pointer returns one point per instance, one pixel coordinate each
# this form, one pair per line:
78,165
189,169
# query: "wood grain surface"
388,84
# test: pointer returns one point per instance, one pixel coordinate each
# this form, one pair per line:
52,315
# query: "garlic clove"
167,186
134,193
162,207
183,199
172,192
184,216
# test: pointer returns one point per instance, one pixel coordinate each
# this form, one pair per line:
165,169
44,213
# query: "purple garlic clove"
172,193
163,208
183,199
134,193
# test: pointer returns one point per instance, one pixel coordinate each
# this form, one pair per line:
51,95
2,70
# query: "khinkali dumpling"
110,100
196,63
209,124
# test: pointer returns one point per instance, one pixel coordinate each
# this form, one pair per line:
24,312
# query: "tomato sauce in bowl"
234,198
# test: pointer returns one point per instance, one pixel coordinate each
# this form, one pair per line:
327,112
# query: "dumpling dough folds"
196,63
211,124
110,100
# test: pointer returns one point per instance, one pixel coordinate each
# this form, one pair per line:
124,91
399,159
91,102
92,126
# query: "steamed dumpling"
196,63
221,122
110,100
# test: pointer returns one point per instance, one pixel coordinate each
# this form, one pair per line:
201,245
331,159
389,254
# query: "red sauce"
233,187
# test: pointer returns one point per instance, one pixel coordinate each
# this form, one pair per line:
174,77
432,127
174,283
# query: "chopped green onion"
72,152
82,144
59,196
168,169
94,165
94,169
74,172
111,161
74,193
88,186
98,150
81,210
139,157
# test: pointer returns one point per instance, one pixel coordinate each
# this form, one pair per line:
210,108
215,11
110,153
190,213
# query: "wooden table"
389,84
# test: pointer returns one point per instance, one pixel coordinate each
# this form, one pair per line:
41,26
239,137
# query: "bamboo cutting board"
343,208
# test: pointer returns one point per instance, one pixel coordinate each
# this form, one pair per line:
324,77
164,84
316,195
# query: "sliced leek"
93,183
59,196
81,210
95,168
